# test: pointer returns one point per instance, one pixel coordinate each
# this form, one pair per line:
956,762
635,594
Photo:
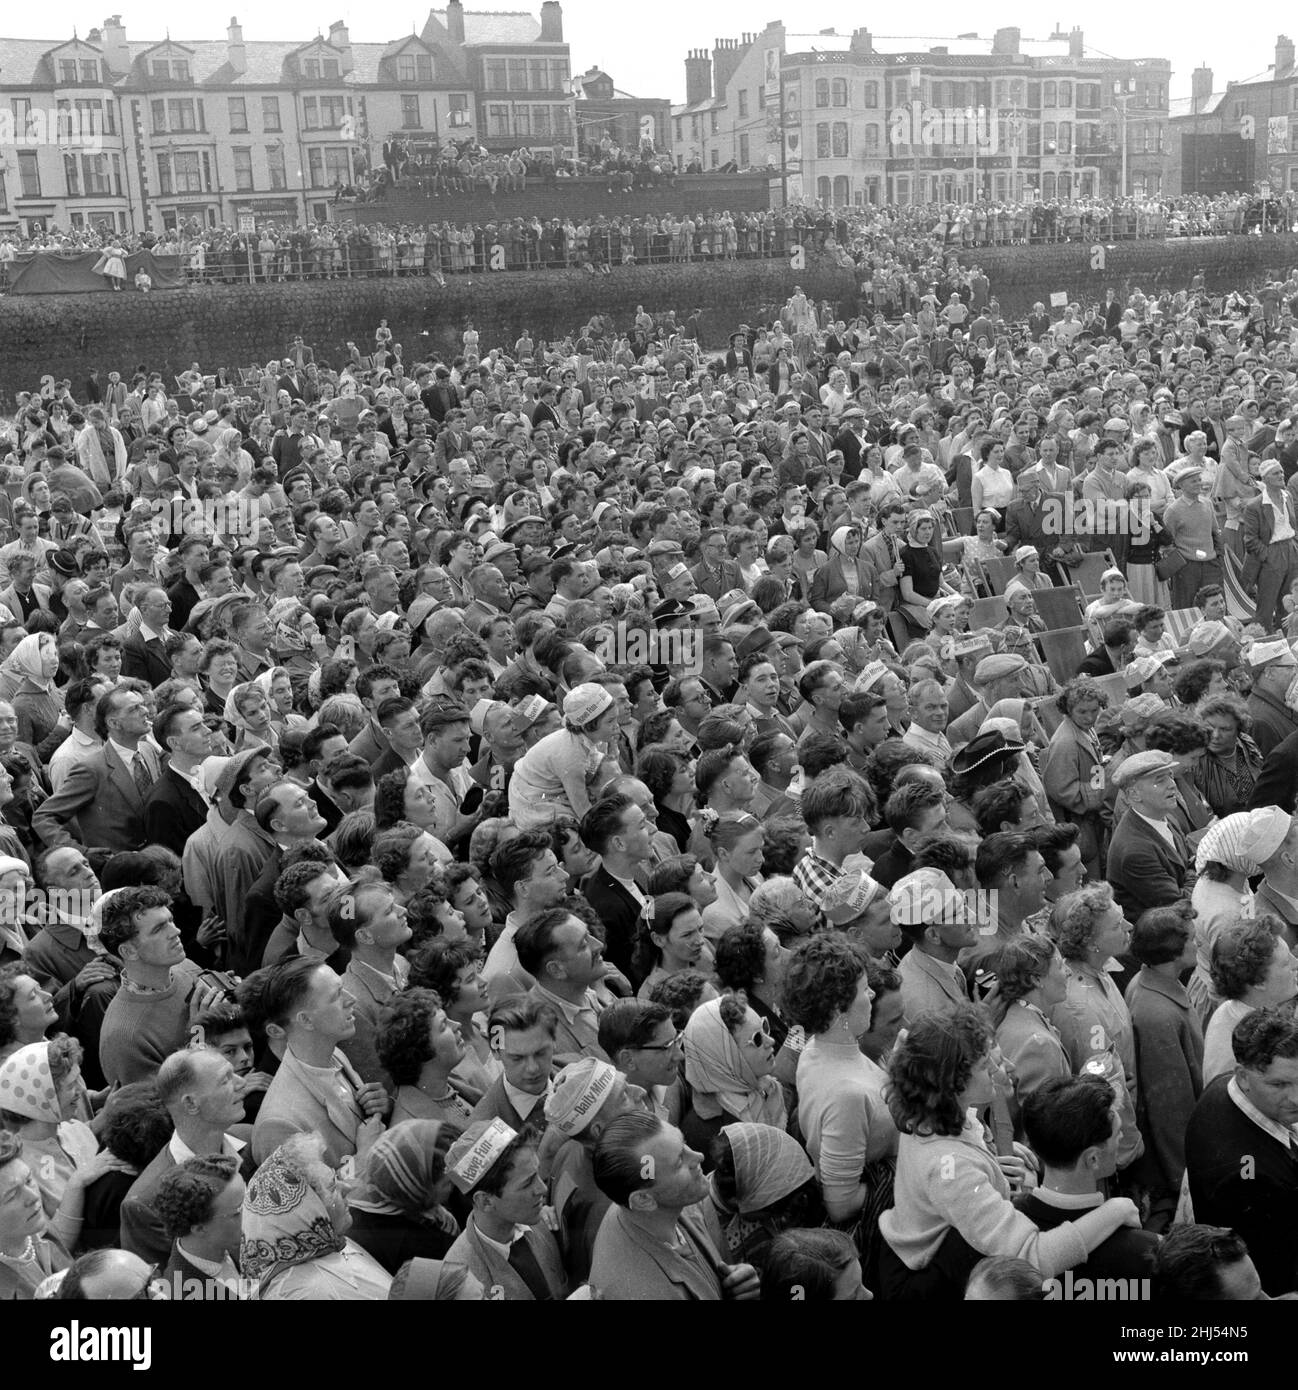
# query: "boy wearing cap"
503,1244
934,916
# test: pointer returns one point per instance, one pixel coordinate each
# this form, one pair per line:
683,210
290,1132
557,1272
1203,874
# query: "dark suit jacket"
1258,526
1277,784
101,796
187,1281
1026,525
497,1103
173,812
184,599
142,1230
621,915
1143,869
1243,1178
145,661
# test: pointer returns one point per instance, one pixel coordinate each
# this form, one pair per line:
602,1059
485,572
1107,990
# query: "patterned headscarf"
404,1166
1245,841
27,1084
24,662
719,1075
285,1221
769,1165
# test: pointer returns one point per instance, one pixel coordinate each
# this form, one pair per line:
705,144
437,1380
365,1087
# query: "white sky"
643,46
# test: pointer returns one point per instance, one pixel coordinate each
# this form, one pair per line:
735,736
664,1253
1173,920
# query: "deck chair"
1114,687
1181,622
899,630
1047,711
963,517
1086,572
1064,650
998,573
987,612
1060,606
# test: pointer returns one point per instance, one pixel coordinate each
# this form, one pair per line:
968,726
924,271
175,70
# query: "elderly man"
1274,668
1148,855
1269,529
998,677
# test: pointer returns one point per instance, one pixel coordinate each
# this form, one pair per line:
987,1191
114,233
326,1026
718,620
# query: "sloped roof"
488,27
887,44
1187,106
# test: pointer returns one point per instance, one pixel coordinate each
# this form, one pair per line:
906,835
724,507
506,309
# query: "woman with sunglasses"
729,1067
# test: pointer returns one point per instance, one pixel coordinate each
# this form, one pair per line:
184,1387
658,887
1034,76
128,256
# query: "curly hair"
136,1124
1077,916
1019,966
930,1068
402,1037
390,798
188,1193
741,956
1242,955
1176,733
1231,706
390,852
821,981
435,964
1161,933
1080,690
785,839
682,993
657,767
119,924
64,1053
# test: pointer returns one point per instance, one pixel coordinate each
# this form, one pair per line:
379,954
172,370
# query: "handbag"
1170,562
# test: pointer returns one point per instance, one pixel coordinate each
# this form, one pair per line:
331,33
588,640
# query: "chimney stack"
698,77
114,44
1006,41
1283,56
1076,48
552,22
455,20
726,57
234,50
340,39
1200,88
862,42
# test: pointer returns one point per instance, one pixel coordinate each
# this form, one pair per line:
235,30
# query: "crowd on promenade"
618,817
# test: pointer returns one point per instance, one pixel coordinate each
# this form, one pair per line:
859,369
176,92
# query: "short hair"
436,963
806,1265
840,792
136,1124
1054,841
1021,964
218,1021
821,980
930,1068
1263,1035
1176,733
519,1014
740,957
630,1023
1066,1115
1003,801
858,707
819,751
1010,1278
348,772
187,1193
1242,954
1077,916
512,862
604,820
534,940
287,985
401,1039
119,925
1191,682
1188,1261
617,1168
999,853
1161,933
908,804
953,855
390,852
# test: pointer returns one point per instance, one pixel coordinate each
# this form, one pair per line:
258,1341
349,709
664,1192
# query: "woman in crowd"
1226,773
453,971
812,1267
419,1048
1230,853
674,941
952,1195
921,580
736,839
398,1208
761,1184
1073,770
27,1011
1252,967
845,572
219,669
750,958
1031,981
295,1223
29,1251
729,1065
559,773
27,675
670,779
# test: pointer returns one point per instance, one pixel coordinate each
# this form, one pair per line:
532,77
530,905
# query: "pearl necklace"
28,1253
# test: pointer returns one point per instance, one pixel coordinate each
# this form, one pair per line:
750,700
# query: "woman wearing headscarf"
845,572
1231,852
27,682
295,1222
247,708
229,450
398,1208
729,1065
761,1183
43,1101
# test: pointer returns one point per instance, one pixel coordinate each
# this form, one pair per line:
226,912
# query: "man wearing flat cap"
1270,530
1191,524
1148,855
998,677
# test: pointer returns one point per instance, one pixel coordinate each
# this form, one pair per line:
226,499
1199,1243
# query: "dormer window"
67,70
415,67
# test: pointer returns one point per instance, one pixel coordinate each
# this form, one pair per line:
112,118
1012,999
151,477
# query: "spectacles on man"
677,1041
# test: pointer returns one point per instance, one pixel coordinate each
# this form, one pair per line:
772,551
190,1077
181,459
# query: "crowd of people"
608,818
